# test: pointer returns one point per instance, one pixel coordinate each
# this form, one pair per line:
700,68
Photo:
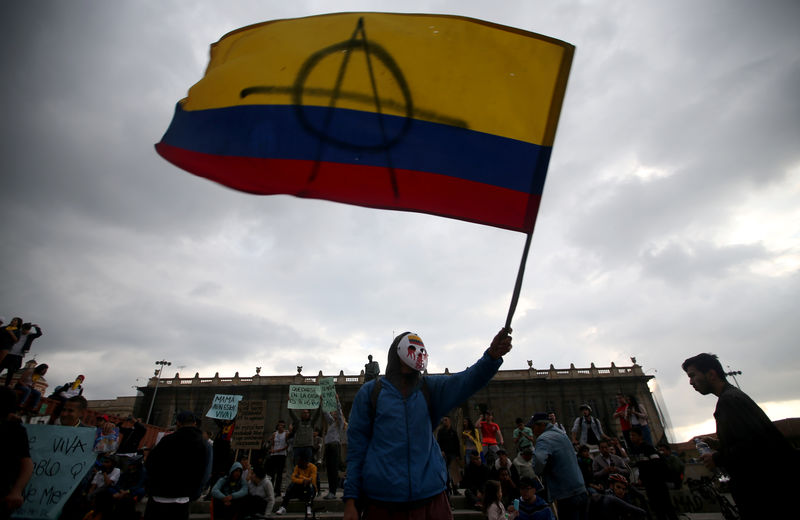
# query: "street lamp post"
162,363
733,374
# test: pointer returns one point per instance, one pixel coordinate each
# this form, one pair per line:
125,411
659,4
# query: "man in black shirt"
653,474
760,461
451,450
175,469
475,476
16,465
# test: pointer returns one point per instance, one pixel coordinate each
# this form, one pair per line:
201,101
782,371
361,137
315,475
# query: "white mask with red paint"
412,352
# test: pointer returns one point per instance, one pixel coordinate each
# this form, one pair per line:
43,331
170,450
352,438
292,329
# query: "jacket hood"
235,466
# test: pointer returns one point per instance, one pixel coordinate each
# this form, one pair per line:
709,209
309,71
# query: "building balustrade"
341,379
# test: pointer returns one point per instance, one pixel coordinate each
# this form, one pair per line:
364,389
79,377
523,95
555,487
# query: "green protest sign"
62,455
328,392
303,397
224,407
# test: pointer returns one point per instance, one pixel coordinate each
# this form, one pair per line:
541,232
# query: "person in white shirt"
260,499
106,478
551,416
277,454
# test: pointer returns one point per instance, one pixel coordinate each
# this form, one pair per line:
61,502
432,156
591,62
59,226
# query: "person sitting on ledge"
302,487
229,494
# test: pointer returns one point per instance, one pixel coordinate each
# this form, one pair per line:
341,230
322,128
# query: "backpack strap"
376,390
373,398
427,393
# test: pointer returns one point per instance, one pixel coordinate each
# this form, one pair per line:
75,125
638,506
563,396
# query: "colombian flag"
436,114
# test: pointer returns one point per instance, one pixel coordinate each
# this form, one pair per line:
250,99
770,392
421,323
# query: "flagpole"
518,285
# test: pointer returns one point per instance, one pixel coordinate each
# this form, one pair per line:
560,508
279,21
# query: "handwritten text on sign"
307,397
250,425
224,407
328,392
303,397
62,455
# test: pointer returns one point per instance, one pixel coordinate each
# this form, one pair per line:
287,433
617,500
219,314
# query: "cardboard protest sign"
250,425
224,407
303,397
328,392
62,455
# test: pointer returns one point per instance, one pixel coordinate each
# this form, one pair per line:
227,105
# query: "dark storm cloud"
679,117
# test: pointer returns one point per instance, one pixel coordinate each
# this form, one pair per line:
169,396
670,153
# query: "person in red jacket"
491,437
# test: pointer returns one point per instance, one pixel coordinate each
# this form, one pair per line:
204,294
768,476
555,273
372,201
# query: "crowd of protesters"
542,470
583,473
16,340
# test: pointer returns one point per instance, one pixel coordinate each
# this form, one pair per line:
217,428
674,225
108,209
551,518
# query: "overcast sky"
670,222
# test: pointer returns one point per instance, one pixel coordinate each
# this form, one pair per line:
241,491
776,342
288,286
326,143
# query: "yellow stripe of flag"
459,71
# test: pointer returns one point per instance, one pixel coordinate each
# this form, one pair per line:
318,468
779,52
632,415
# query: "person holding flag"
390,472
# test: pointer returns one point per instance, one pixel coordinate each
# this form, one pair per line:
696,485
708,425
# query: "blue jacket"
555,460
539,510
226,486
397,459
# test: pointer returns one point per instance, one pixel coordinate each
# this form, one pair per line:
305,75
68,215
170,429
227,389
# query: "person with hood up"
229,493
395,468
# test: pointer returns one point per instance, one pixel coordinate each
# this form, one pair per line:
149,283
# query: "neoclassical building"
511,394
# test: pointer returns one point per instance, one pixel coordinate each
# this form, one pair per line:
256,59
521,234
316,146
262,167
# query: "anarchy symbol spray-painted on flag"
436,114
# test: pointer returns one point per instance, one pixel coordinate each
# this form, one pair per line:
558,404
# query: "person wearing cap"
393,461
68,390
586,429
175,468
555,461
531,506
